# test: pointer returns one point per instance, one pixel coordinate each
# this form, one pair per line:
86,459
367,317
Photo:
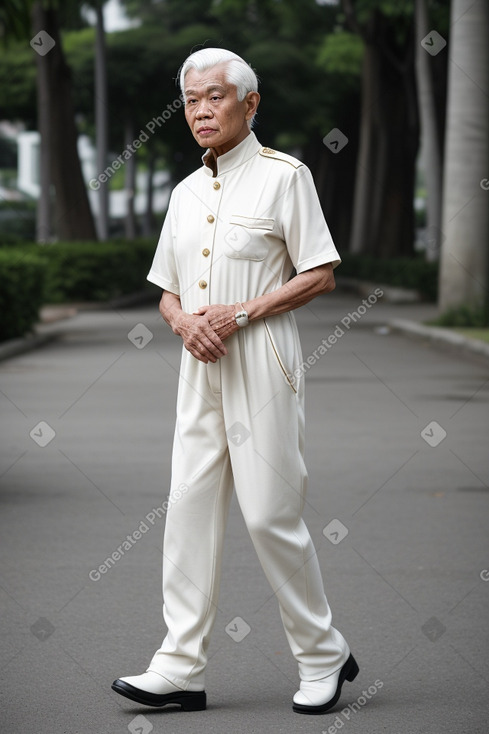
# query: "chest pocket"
246,238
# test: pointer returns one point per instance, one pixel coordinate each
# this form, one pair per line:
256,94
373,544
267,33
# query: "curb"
14,347
440,337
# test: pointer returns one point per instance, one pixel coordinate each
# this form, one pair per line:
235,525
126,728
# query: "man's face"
215,116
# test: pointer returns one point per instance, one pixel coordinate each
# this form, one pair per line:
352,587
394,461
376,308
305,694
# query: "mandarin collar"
234,157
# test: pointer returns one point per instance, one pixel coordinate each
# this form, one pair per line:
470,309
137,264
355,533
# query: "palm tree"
101,117
60,167
383,222
465,219
59,154
429,131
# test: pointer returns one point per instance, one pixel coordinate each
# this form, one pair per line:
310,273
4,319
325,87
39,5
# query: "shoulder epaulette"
279,156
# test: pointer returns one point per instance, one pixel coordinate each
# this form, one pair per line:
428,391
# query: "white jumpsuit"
228,238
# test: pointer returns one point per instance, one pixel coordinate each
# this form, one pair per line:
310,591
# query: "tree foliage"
310,59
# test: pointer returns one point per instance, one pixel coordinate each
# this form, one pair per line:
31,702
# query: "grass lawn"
474,333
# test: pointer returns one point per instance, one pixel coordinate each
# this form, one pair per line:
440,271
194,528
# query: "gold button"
202,284
217,185
206,252
210,218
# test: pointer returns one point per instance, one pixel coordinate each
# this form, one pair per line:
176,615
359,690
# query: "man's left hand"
220,318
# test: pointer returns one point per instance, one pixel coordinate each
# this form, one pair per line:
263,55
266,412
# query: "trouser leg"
195,524
270,479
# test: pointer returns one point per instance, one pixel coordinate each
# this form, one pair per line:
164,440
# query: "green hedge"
415,273
95,271
65,272
22,279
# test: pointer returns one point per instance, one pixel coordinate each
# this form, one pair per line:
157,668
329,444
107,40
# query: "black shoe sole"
188,700
349,672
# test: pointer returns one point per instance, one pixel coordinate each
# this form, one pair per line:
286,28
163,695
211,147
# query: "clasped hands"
204,331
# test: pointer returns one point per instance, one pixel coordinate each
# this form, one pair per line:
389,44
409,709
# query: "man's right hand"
199,337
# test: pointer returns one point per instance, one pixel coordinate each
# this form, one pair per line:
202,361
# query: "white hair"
238,72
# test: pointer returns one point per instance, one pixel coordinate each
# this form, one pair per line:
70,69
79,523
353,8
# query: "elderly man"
234,231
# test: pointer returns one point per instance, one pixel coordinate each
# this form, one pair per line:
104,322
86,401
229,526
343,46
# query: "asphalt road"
398,459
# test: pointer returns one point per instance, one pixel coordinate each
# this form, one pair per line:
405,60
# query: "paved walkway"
397,506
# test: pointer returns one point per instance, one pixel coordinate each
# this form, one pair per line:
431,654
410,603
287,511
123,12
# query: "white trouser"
239,419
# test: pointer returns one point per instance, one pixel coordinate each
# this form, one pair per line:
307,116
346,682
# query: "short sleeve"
305,231
164,269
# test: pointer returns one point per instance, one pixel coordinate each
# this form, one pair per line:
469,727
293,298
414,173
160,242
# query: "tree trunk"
465,221
398,140
360,235
43,214
73,218
334,176
130,182
429,128
101,122
383,223
148,220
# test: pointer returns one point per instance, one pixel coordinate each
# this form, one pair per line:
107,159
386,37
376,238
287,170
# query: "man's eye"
214,97
191,101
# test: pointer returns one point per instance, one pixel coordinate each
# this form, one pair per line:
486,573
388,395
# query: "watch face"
241,318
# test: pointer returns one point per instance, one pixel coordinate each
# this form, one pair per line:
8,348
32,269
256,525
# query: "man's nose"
203,111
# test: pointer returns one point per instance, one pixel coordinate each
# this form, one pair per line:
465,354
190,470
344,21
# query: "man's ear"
252,100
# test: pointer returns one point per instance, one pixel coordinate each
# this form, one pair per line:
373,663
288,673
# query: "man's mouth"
205,130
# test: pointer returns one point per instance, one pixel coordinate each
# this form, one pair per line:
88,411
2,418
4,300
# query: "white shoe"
152,689
317,696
